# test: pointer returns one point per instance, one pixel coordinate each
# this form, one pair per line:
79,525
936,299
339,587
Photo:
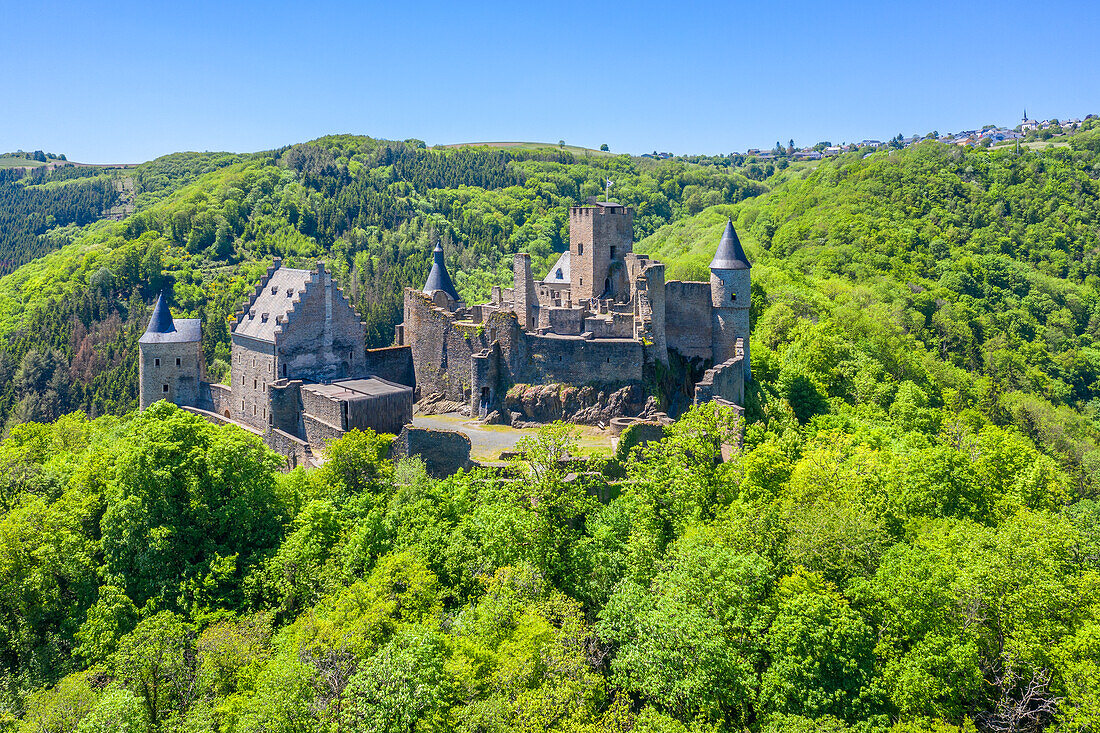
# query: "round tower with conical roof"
170,360
438,286
730,292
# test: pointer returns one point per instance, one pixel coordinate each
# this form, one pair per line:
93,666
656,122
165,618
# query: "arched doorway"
226,415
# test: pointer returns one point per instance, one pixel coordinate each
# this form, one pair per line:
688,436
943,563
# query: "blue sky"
122,82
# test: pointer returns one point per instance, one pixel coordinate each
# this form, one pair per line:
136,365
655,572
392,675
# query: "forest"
908,539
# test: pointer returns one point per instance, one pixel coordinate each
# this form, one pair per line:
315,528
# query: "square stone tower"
598,235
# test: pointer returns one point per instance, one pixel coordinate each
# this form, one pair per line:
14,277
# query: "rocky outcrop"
579,405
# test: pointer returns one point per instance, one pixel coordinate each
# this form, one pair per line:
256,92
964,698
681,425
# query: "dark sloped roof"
730,255
438,279
163,329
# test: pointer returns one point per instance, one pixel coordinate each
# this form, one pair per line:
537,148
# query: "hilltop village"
602,319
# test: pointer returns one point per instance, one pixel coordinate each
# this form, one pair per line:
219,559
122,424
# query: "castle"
604,315
300,373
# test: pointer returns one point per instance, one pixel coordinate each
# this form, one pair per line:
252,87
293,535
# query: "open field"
6,162
487,441
576,150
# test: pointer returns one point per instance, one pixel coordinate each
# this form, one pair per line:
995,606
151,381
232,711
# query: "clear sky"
128,81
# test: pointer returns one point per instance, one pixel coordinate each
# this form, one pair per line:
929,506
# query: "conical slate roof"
438,279
163,329
730,255
161,322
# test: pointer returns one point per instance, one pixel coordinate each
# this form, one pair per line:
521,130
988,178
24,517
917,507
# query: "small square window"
156,362
178,361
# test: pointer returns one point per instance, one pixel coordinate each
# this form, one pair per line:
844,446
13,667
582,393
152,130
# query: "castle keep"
604,315
300,373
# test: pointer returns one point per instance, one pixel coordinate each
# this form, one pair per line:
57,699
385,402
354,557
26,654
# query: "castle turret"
170,361
439,281
730,288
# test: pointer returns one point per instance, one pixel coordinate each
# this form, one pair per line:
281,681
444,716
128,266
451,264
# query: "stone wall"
725,381
392,363
443,452
688,319
220,397
170,371
593,233
578,361
295,449
251,371
319,433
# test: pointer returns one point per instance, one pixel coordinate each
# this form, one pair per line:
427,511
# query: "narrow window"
284,370
733,296
156,362
255,384
580,248
165,389
178,362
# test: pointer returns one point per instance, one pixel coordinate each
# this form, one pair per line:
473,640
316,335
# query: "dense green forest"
40,201
908,541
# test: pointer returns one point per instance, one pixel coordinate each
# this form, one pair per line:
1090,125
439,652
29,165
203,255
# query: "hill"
207,224
908,540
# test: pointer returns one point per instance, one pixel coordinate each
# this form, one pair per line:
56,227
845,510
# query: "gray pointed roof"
730,255
164,329
438,279
559,273
161,322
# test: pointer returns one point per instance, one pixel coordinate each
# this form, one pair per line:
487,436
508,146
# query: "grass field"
12,162
530,146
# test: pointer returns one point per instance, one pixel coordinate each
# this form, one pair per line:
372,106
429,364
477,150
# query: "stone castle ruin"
601,321
603,317
300,373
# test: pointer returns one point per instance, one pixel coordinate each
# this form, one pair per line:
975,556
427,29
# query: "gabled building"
300,374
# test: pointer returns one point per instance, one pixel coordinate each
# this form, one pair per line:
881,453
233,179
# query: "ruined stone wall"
220,397
322,337
323,408
251,371
526,302
688,318
295,449
725,381
170,371
319,434
575,360
566,321
441,347
443,452
392,363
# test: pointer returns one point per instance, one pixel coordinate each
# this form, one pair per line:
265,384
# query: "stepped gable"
163,329
272,302
438,278
730,255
